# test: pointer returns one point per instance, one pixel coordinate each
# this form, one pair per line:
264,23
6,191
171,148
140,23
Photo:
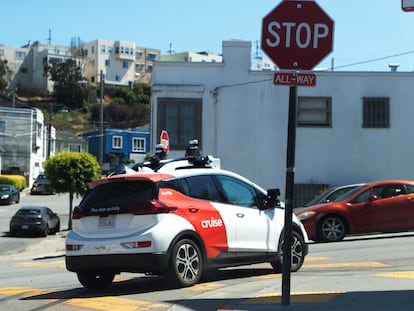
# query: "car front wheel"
95,280
298,253
186,263
331,229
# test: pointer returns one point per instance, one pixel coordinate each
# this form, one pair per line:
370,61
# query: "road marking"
23,291
398,275
41,264
364,264
267,276
205,286
114,304
108,303
296,297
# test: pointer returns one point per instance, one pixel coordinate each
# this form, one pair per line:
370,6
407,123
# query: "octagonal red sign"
297,34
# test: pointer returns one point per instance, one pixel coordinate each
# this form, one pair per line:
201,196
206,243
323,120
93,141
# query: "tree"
71,172
4,75
127,108
68,89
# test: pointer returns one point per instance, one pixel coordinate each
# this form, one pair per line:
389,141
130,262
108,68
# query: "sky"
369,35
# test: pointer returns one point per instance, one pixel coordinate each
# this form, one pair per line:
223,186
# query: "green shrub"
17,180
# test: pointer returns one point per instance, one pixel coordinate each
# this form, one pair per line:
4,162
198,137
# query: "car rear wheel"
297,256
46,231
186,263
95,280
57,228
331,229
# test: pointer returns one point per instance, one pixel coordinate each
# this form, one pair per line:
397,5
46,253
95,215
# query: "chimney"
393,67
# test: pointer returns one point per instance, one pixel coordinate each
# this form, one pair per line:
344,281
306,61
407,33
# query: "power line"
373,60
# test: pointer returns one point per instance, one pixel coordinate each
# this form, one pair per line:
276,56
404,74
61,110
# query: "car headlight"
306,215
5,196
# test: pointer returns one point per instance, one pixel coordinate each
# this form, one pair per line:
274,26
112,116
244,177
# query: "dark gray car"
34,220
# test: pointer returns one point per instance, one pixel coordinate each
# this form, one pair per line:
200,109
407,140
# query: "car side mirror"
272,198
372,198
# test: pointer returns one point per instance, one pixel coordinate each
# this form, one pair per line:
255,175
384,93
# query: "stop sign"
297,34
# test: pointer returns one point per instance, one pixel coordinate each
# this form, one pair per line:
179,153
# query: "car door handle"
240,215
193,209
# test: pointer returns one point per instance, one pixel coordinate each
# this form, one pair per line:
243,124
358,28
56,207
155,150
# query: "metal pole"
49,133
101,136
290,182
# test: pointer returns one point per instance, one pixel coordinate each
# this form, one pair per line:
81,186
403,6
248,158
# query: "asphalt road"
373,272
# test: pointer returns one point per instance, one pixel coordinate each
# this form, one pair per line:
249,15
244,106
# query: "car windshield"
318,198
5,188
348,194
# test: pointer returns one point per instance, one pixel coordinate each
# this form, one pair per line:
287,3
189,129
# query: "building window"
74,147
109,49
107,62
152,56
139,67
23,70
138,144
117,142
181,118
117,78
20,55
314,111
93,49
103,48
2,126
125,64
138,55
376,112
1,52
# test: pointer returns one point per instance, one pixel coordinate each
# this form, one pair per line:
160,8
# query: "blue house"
119,146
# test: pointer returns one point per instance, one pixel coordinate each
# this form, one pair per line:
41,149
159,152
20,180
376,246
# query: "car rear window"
28,212
117,197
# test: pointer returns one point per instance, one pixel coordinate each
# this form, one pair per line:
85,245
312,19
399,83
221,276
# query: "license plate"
107,222
25,227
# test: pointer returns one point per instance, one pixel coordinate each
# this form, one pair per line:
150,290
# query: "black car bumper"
116,263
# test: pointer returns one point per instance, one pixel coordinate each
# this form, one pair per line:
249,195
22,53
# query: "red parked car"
385,206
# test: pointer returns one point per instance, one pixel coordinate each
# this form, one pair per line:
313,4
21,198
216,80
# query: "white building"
351,127
24,141
121,62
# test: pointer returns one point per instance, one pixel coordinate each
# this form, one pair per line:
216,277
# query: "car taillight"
150,207
77,213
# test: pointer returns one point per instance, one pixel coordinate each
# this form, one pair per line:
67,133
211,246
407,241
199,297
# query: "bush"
17,180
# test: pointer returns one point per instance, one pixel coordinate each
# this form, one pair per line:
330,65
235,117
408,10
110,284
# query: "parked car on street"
42,185
34,220
9,194
178,218
385,206
331,194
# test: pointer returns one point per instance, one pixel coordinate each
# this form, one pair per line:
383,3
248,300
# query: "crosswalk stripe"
108,303
399,275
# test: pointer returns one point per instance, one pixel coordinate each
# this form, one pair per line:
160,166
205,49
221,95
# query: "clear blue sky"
365,30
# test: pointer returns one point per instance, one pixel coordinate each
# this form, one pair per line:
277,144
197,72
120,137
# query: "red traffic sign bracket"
294,79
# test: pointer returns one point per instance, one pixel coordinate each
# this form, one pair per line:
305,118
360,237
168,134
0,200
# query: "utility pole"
101,136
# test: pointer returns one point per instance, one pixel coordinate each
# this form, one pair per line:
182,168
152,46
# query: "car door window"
201,187
238,192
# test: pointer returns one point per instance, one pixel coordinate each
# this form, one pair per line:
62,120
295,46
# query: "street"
376,268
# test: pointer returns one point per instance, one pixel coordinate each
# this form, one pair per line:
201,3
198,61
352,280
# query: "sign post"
296,35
